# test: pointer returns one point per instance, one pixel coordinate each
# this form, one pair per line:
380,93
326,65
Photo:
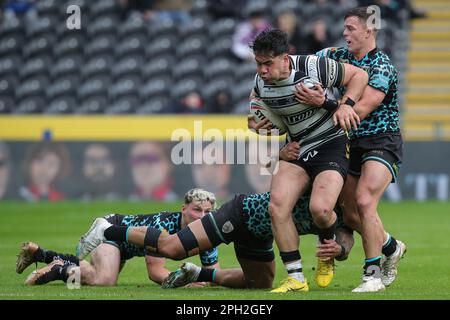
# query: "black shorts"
386,149
226,225
127,250
332,155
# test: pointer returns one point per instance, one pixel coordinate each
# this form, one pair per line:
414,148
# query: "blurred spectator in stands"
174,10
191,102
247,31
318,38
287,21
98,172
213,177
225,8
45,163
18,6
221,102
150,169
158,10
5,168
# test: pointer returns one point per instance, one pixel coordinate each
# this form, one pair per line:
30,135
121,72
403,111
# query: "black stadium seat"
63,86
39,45
66,65
103,44
6,104
61,105
98,65
93,87
162,45
160,65
69,44
153,105
190,66
29,105
192,45
35,66
155,87
92,105
127,66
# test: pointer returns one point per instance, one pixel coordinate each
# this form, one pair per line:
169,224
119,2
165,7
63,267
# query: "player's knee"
366,204
321,213
352,220
275,207
106,281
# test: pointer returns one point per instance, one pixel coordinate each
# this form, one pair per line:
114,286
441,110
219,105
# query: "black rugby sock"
116,233
47,256
390,246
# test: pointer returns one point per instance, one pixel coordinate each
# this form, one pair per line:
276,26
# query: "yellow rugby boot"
291,285
324,272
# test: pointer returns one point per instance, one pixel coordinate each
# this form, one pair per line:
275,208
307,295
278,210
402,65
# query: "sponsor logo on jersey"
227,227
310,155
300,116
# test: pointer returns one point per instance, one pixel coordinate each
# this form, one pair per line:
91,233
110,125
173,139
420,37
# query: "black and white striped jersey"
310,125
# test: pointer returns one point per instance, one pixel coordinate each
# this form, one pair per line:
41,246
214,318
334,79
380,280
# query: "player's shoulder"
379,57
332,52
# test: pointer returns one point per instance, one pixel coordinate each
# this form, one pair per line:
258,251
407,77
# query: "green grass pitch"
424,273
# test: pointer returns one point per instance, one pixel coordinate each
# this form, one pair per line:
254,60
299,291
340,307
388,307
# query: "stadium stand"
123,62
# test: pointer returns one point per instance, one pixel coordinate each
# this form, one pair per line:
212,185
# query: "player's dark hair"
362,13
271,42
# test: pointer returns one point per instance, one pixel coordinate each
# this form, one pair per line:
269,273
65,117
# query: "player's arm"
251,122
374,94
156,268
355,80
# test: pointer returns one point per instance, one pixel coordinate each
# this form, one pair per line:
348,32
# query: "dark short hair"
362,13
271,42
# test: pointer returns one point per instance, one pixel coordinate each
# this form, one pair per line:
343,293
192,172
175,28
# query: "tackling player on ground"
109,258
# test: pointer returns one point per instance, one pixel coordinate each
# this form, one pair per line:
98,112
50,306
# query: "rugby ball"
310,83
260,111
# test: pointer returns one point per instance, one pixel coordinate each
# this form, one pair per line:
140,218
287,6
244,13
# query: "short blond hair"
200,195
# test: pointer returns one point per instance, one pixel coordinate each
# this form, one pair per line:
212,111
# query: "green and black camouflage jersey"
383,77
169,221
310,125
255,210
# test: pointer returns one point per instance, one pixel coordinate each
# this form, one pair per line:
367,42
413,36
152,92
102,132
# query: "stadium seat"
164,28
123,87
34,67
96,86
92,105
11,44
32,87
47,7
61,105
222,28
103,44
219,67
69,44
192,45
121,107
131,45
103,25
160,65
162,45
215,85
242,90
135,25
154,105
6,104
103,7
155,87
10,24
184,86
63,86
9,64
66,65
29,105
8,83
98,65
191,66
127,66
197,26
245,70
220,47
39,45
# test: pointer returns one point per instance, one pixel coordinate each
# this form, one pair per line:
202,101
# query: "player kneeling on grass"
109,257
245,221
